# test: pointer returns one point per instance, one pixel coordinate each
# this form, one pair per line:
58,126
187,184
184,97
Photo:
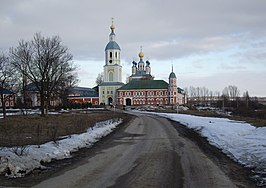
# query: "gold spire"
112,26
141,54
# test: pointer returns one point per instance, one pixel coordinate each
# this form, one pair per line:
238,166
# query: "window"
115,54
96,102
103,92
107,92
111,92
111,54
111,76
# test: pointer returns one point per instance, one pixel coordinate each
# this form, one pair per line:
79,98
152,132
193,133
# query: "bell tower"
112,68
172,88
112,79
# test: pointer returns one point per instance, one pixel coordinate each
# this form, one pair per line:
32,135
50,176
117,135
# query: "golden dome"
141,55
112,26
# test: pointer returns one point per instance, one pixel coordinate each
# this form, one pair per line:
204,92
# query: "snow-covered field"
18,166
239,140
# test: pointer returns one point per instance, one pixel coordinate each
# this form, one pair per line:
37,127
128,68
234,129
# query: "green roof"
172,75
145,84
111,84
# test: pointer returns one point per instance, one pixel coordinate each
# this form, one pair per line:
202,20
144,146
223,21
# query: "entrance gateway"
128,102
110,101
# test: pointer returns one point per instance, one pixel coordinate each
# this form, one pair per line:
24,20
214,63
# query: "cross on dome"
112,26
141,54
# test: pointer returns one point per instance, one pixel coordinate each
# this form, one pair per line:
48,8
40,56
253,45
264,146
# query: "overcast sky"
211,43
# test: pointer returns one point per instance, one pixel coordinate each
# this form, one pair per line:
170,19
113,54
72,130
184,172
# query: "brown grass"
33,129
253,121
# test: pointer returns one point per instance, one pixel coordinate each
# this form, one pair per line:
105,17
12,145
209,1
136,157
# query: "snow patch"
13,165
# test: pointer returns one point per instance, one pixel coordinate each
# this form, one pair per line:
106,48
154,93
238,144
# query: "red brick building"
9,98
83,95
151,92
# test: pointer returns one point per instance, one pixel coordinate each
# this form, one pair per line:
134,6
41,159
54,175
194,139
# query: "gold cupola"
141,54
112,26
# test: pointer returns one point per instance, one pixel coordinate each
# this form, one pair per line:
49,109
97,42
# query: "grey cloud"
84,25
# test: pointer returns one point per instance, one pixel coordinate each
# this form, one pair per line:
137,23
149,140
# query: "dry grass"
25,130
253,121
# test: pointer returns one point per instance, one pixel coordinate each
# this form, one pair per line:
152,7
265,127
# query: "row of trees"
229,98
204,94
43,61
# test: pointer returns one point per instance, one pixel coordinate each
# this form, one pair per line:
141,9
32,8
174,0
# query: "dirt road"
149,152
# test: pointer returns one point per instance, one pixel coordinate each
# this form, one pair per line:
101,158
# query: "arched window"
111,54
115,54
111,76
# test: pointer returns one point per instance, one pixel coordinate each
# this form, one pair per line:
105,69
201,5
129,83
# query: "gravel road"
148,152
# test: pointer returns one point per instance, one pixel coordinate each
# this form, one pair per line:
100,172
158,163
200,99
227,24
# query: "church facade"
141,88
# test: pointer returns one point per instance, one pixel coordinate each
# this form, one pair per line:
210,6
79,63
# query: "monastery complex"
141,89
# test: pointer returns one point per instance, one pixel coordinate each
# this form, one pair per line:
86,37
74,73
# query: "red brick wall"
144,97
10,101
93,100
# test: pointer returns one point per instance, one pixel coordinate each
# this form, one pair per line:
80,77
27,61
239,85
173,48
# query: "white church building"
112,79
142,89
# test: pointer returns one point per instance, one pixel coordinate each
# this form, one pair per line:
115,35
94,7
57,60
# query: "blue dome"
112,45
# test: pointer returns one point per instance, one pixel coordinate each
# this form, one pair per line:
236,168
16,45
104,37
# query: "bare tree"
204,93
46,63
99,79
233,92
225,92
246,98
6,80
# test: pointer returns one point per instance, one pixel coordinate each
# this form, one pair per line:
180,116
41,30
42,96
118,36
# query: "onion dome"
112,26
141,55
